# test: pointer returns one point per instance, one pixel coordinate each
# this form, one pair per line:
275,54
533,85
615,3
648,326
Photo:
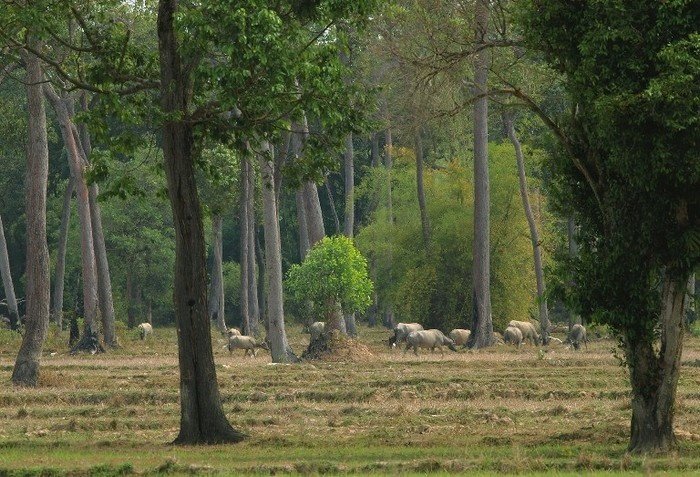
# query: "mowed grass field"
496,411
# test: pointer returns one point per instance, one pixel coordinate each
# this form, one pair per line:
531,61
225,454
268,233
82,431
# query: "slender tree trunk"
7,283
349,223
374,151
389,321
304,245
61,258
26,369
87,248
202,418
262,295
654,376
130,305
482,326
279,347
573,252
534,235
104,280
424,220
218,272
331,204
245,244
254,306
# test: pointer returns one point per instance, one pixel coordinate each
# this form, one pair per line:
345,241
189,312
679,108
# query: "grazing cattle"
317,329
401,332
577,335
528,330
233,332
513,335
428,339
498,338
145,329
460,336
247,343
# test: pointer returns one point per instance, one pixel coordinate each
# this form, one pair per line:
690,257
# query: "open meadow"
500,410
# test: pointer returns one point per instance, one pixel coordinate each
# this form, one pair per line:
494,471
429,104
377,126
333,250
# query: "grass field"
496,411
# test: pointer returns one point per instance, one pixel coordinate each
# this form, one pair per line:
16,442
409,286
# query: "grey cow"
577,335
401,332
428,339
528,330
513,335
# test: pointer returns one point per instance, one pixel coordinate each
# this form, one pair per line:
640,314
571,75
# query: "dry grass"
496,411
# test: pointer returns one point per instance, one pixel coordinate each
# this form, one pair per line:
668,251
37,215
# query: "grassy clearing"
497,411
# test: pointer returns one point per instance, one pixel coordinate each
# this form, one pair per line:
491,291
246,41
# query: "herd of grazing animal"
413,335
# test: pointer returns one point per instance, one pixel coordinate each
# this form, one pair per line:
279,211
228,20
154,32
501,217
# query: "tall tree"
253,299
534,235
26,370
202,418
59,282
216,305
389,321
631,173
349,223
482,325
245,226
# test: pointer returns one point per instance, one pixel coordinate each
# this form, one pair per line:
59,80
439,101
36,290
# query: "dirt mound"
336,347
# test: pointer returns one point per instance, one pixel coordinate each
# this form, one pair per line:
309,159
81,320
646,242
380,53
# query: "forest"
374,237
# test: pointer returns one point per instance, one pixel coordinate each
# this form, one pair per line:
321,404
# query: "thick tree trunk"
202,418
279,347
218,271
534,235
87,247
61,255
7,283
254,306
26,369
654,376
245,244
314,215
331,204
424,219
482,326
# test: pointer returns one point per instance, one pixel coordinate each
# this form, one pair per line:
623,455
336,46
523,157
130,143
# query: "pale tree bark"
104,280
7,283
26,369
202,418
262,291
304,245
573,252
534,235
59,283
245,244
331,204
424,219
87,248
349,223
216,312
654,375
279,346
254,306
389,321
482,325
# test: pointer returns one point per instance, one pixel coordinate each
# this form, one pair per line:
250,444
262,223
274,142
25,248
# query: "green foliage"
635,131
435,288
232,290
333,272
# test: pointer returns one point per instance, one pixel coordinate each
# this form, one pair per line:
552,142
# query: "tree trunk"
573,252
61,258
389,321
245,244
314,215
482,326
424,220
304,245
331,204
202,418
7,283
130,305
262,295
279,347
690,300
26,369
349,223
104,280
254,306
87,248
218,271
534,235
654,377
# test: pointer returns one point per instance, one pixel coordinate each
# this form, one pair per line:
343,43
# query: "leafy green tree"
333,272
631,173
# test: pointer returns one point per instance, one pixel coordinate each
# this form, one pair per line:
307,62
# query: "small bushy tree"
334,272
